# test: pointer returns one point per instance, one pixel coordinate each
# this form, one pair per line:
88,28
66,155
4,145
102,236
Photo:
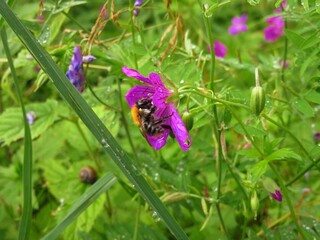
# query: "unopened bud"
254,203
187,118
258,97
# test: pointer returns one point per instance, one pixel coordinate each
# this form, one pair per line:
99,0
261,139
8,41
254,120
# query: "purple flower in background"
137,3
31,117
238,25
220,50
277,195
88,59
75,71
284,5
316,137
156,94
275,28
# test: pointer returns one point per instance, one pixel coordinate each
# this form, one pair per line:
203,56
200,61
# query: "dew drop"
155,216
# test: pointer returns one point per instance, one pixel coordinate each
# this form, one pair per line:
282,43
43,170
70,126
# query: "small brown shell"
88,175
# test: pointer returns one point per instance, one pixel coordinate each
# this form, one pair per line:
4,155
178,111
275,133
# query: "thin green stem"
133,35
76,22
137,220
25,223
125,123
292,135
286,194
87,143
301,174
285,50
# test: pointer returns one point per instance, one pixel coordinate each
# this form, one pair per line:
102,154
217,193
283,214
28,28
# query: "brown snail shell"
88,175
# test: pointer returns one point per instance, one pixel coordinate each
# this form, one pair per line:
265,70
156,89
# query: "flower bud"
254,203
257,100
187,118
258,97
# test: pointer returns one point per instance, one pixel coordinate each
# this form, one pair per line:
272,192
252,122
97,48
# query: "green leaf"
313,96
295,38
253,131
283,153
305,4
317,4
304,107
11,122
102,185
258,169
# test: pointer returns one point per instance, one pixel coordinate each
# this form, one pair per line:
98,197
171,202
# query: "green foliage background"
217,187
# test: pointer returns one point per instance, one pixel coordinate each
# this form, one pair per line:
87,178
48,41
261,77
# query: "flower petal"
135,74
161,92
178,128
138,92
158,142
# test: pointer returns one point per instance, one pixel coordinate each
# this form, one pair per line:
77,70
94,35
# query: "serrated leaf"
304,107
283,153
295,38
259,169
11,123
313,96
253,131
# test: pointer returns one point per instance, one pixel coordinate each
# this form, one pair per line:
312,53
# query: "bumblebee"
143,115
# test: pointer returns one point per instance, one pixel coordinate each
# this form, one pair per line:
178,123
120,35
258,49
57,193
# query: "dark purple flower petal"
75,72
277,195
272,33
158,142
138,92
178,128
220,49
135,74
316,137
161,92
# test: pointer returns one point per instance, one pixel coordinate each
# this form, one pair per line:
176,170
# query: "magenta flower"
156,94
284,5
238,25
220,50
75,71
277,195
275,28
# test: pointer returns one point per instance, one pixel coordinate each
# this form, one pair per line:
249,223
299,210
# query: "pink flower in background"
276,26
238,25
137,3
275,29
220,50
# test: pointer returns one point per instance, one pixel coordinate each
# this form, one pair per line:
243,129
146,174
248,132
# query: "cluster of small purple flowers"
272,32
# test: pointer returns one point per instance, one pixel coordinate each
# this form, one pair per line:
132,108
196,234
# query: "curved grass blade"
90,119
100,186
25,223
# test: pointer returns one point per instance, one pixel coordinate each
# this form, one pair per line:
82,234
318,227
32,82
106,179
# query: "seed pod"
88,175
257,100
254,203
187,118
258,97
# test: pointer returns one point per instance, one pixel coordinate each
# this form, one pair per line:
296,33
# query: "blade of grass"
90,119
100,186
25,223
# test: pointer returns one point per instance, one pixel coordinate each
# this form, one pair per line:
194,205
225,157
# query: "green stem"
137,221
125,123
25,223
76,22
285,50
87,143
133,35
301,174
286,194
293,137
